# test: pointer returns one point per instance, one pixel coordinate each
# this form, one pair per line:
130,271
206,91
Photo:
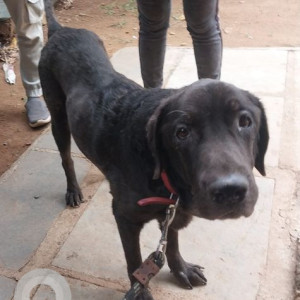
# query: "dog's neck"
161,200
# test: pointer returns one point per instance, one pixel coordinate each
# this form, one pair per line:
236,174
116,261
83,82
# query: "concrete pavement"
253,258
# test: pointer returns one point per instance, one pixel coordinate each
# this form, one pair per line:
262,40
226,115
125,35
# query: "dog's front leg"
187,274
130,235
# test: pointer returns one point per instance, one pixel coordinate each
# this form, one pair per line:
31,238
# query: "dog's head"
208,137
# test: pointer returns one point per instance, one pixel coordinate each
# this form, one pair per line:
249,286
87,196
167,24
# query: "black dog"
206,137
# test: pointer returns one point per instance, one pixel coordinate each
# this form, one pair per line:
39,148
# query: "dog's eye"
182,133
245,121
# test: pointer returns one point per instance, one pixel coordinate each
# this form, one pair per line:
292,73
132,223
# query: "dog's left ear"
262,138
153,136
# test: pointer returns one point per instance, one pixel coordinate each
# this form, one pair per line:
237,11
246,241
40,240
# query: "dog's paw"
74,198
189,275
144,295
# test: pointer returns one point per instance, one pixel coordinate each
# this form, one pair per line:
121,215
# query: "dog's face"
208,137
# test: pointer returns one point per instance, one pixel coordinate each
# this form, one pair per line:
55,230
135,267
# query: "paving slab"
132,68
94,246
46,141
4,14
31,197
80,291
262,71
295,61
275,121
289,158
237,259
7,288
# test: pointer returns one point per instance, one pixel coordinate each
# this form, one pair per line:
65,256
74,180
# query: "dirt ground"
245,23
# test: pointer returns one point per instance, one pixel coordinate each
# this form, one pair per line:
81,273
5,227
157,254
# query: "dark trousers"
203,25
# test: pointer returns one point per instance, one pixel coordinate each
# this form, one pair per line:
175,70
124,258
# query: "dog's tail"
53,25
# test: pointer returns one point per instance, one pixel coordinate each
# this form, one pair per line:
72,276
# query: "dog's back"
74,56
75,71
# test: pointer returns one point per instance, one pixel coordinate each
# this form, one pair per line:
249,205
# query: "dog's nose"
229,189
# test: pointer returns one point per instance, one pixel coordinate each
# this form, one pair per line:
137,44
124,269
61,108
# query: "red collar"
161,200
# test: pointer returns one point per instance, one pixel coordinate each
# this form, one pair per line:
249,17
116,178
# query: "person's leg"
27,17
154,18
203,25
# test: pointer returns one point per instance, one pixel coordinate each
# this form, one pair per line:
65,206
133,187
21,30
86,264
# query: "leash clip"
170,215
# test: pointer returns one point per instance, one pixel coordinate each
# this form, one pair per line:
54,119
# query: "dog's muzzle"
225,197
229,190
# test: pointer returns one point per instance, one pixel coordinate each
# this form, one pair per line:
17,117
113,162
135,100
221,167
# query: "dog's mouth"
209,209
236,213
217,214
225,215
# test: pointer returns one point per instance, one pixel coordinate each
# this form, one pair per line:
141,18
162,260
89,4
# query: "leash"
155,261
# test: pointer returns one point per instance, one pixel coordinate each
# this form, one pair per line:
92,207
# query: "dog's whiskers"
225,214
178,111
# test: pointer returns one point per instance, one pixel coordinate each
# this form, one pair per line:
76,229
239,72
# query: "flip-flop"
37,112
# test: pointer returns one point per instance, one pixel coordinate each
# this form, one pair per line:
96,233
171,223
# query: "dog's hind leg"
55,100
61,133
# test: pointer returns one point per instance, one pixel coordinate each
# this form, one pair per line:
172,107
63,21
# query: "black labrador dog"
206,138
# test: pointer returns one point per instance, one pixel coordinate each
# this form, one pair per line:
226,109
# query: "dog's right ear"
153,136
